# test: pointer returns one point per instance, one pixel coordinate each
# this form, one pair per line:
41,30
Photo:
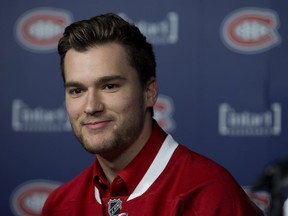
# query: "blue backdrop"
222,71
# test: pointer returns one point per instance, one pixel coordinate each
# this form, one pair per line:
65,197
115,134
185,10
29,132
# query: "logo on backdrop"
40,29
39,119
28,198
261,198
163,111
247,123
250,30
162,32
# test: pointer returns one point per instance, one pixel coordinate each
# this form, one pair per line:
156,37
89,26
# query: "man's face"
106,104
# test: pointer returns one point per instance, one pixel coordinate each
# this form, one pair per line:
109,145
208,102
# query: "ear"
151,92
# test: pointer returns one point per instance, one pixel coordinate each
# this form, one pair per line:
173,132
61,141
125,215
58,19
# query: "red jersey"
165,178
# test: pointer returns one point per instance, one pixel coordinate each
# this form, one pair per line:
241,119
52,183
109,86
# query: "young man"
108,69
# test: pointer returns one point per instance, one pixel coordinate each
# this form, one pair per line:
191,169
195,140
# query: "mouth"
93,125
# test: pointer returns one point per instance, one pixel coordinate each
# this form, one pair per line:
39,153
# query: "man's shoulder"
206,181
196,159
201,168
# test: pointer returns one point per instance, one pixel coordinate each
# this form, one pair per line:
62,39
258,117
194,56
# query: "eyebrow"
99,81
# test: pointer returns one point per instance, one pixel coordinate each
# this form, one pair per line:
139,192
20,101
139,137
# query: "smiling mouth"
93,125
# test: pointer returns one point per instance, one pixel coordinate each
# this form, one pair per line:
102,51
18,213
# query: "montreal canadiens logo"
28,198
163,111
39,30
261,198
251,30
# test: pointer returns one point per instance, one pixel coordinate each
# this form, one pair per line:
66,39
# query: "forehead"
108,59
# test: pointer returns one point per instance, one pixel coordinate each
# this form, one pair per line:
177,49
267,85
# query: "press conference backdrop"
223,80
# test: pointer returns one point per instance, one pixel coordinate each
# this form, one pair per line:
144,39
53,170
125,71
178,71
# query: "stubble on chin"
100,145
110,145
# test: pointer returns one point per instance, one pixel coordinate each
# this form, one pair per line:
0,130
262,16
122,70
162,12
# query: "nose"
93,103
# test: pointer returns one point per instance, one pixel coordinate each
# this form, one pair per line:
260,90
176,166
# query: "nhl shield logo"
114,207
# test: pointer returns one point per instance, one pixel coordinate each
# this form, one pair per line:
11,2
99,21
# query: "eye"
74,91
111,87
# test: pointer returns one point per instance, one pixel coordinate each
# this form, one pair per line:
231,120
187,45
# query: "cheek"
130,105
120,104
72,109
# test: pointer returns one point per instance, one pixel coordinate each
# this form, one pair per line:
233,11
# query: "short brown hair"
109,28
